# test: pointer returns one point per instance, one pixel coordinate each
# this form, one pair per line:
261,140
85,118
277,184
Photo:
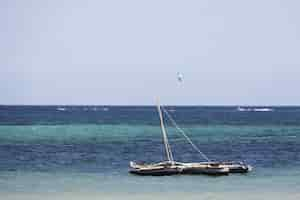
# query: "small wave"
241,109
105,109
291,136
95,109
259,137
262,109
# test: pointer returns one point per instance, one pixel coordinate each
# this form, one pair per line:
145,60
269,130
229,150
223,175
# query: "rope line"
184,134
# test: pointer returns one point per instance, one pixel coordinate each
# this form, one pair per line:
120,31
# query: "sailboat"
171,167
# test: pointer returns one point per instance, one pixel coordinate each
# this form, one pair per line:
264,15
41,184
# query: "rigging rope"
183,133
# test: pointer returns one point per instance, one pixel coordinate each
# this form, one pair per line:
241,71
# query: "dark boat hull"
205,169
195,171
240,169
237,167
234,167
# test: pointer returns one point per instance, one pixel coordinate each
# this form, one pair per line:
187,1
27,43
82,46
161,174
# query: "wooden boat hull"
208,170
165,168
156,172
234,167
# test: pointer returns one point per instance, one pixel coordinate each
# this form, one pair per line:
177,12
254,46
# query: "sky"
121,52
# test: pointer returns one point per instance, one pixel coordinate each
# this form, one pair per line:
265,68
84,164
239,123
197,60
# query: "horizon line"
152,105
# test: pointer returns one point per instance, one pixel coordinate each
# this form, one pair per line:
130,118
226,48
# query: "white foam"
61,109
241,109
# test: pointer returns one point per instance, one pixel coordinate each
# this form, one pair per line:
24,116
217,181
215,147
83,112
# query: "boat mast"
165,138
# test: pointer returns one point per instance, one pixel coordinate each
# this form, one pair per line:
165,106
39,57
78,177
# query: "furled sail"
165,138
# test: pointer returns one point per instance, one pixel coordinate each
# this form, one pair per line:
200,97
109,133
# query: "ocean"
83,152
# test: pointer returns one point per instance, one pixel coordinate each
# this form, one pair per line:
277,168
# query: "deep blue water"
84,138
101,140
196,115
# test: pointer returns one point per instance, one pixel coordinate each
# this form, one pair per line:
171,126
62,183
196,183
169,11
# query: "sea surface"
83,152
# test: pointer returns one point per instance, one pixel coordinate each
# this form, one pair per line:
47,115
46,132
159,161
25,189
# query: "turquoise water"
62,160
257,185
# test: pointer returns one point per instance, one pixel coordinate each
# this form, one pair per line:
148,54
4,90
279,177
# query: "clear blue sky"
128,52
